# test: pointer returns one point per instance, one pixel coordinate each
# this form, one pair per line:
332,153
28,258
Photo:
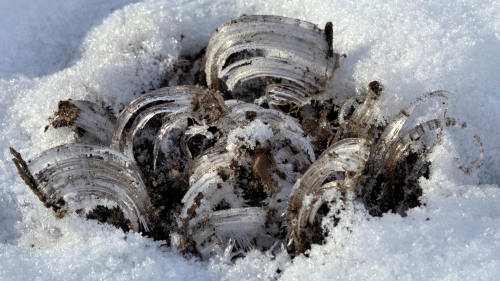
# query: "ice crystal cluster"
242,149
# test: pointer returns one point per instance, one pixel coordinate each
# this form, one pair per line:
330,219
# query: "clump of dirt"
166,185
254,189
66,114
399,191
113,216
319,119
210,107
263,167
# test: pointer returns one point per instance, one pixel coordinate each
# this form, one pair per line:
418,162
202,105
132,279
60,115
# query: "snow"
249,136
114,50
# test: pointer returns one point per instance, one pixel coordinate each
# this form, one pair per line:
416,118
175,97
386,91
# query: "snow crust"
112,51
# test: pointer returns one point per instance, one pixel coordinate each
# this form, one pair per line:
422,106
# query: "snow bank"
54,50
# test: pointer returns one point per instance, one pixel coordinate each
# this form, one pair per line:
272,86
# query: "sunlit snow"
112,51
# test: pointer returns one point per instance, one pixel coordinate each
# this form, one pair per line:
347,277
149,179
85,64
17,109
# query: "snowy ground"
113,50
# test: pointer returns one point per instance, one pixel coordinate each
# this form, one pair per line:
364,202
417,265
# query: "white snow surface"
114,50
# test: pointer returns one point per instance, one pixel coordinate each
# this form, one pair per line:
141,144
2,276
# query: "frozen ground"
113,50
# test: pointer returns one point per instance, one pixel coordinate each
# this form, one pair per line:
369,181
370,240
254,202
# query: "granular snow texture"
112,51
